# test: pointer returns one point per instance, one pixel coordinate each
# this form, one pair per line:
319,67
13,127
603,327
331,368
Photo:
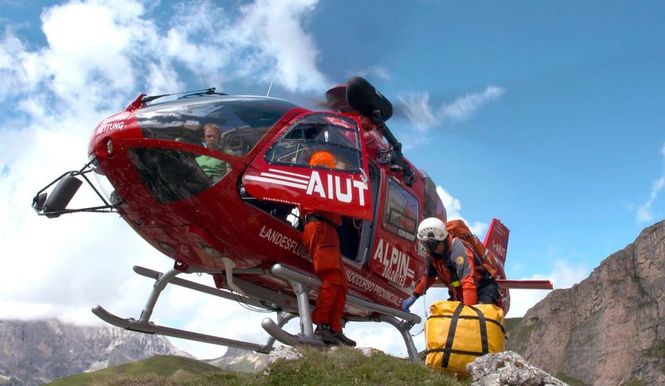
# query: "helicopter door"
317,162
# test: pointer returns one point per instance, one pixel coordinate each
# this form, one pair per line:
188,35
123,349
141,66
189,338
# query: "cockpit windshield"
230,125
233,125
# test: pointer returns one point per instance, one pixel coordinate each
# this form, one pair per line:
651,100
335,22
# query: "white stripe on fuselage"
305,176
283,178
277,182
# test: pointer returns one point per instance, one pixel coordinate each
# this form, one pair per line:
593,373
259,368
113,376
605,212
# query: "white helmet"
432,228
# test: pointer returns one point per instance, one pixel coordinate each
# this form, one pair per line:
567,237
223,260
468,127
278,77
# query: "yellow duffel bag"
457,334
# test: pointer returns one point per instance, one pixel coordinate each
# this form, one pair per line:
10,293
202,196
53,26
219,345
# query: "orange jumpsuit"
464,279
322,242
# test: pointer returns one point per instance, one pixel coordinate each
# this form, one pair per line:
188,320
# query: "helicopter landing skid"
143,324
300,282
151,328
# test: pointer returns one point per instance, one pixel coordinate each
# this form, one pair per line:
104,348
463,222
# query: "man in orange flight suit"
321,240
456,265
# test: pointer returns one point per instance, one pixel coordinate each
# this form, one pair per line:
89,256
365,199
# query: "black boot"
342,339
324,333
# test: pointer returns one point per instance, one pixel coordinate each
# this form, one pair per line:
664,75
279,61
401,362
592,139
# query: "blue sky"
547,115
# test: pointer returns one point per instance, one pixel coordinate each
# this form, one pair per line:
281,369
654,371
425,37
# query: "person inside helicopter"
213,167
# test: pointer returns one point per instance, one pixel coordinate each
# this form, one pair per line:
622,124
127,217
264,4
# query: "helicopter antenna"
270,87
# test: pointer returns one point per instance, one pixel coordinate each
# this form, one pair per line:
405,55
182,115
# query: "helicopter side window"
338,136
431,198
401,212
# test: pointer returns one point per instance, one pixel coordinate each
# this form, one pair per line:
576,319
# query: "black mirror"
365,99
62,194
38,201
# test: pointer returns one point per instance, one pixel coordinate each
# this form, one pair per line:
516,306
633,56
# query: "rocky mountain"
38,351
610,328
245,361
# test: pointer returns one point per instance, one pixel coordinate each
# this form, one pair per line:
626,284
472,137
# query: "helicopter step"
281,335
302,282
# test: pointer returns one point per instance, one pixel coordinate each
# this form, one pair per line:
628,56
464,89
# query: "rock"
283,352
508,369
240,360
606,330
368,351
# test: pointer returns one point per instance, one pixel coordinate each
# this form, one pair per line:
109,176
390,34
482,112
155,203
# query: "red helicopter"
241,224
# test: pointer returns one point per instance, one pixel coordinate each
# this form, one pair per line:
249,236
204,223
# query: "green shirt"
212,167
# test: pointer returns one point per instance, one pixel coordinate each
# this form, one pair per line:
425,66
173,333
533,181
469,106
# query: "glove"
408,302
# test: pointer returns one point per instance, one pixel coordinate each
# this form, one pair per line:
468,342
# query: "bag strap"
483,330
451,335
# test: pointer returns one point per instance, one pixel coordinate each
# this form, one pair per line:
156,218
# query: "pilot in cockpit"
212,167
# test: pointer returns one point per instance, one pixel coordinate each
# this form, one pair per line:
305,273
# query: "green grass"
347,366
344,366
158,370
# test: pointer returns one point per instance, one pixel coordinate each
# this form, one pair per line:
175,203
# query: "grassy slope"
145,372
344,366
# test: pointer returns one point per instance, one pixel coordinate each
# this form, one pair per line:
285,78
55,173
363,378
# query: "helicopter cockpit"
238,123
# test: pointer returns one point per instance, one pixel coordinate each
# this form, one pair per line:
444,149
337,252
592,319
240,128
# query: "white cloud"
454,211
163,78
265,43
644,211
273,29
418,110
374,71
106,48
425,117
198,39
17,67
465,106
87,40
452,204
